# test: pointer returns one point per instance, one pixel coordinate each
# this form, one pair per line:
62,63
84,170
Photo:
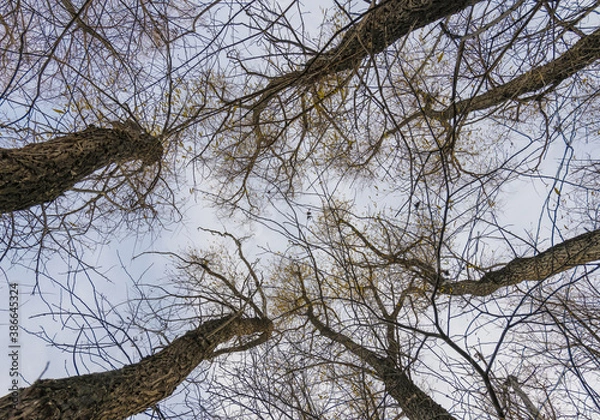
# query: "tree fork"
41,172
581,55
132,389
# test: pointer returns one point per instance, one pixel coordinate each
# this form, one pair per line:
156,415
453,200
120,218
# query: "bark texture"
40,172
124,392
583,53
415,403
582,249
383,25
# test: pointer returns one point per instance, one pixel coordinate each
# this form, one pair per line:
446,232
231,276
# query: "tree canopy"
407,192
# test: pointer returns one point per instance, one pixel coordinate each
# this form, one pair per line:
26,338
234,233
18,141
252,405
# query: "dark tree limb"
580,250
124,392
380,27
583,53
41,172
415,403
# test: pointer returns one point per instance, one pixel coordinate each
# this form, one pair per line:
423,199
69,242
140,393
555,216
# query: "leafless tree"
389,168
383,154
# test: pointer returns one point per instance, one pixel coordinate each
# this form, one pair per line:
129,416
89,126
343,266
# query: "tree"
405,282
429,272
388,312
132,389
91,113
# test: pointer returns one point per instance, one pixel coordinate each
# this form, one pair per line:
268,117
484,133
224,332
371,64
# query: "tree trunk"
121,393
415,403
40,172
383,25
580,250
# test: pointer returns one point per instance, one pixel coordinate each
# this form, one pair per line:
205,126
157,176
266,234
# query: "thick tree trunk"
40,172
124,392
582,249
381,26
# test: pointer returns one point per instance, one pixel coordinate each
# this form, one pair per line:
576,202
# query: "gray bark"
514,384
580,250
41,172
124,392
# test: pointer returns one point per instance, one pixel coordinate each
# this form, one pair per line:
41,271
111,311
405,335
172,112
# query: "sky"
132,261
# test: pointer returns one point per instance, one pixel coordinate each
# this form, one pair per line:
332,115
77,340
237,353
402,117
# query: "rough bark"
582,249
124,392
382,25
583,53
415,403
40,172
